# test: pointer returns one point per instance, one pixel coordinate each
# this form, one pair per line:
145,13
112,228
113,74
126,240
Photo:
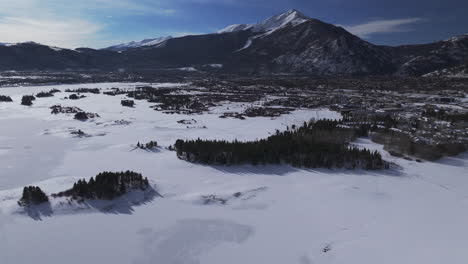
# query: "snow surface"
414,213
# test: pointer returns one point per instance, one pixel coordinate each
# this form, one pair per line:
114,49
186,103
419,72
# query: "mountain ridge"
289,42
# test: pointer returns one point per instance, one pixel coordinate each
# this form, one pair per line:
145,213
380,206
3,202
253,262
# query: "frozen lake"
414,214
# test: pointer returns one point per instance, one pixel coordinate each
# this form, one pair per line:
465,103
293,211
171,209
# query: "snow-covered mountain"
313,47
285,43
138,44
234,28
291,17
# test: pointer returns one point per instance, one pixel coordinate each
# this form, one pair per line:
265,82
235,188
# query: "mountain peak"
295,12
290,17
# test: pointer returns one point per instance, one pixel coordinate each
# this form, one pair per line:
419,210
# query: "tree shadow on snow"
36,212
153,150
394,171
121,205
278,170
281,170
124,204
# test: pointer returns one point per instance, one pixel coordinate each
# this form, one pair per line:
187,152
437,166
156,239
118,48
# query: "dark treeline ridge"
84,90
32,195
106,185
320,144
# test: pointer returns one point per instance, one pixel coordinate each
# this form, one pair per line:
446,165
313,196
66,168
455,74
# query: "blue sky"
100,23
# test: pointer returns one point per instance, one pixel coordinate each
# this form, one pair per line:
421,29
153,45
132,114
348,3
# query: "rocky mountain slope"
314,47
422,59
34,56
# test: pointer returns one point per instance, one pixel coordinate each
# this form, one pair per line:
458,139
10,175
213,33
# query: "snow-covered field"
417,213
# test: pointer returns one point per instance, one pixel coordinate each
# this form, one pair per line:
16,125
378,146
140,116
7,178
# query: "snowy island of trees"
106,186
315,144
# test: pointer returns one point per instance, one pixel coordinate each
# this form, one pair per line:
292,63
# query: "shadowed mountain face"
33,56
422,59
188,51
317,48
285,43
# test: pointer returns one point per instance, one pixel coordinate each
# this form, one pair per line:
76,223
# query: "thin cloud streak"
368,29
70,33
69,24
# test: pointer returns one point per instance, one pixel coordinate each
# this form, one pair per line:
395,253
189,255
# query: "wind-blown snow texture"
414,214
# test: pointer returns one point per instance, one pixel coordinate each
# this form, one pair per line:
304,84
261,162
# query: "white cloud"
69,23
62,33
129,6
367,29
60,7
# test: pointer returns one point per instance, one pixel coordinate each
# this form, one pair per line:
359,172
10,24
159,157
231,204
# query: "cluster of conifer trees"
315,144
58,109
32,195
4,98
127,103
82,116
44,94
76,97
27,100
150,145
107,185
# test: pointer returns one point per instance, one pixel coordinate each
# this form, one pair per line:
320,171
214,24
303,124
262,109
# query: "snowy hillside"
414,213
234,28
138,44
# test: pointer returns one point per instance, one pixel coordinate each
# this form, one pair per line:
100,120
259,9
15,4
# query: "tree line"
320,144
106,185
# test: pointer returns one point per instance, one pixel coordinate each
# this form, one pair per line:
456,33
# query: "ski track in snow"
413,213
